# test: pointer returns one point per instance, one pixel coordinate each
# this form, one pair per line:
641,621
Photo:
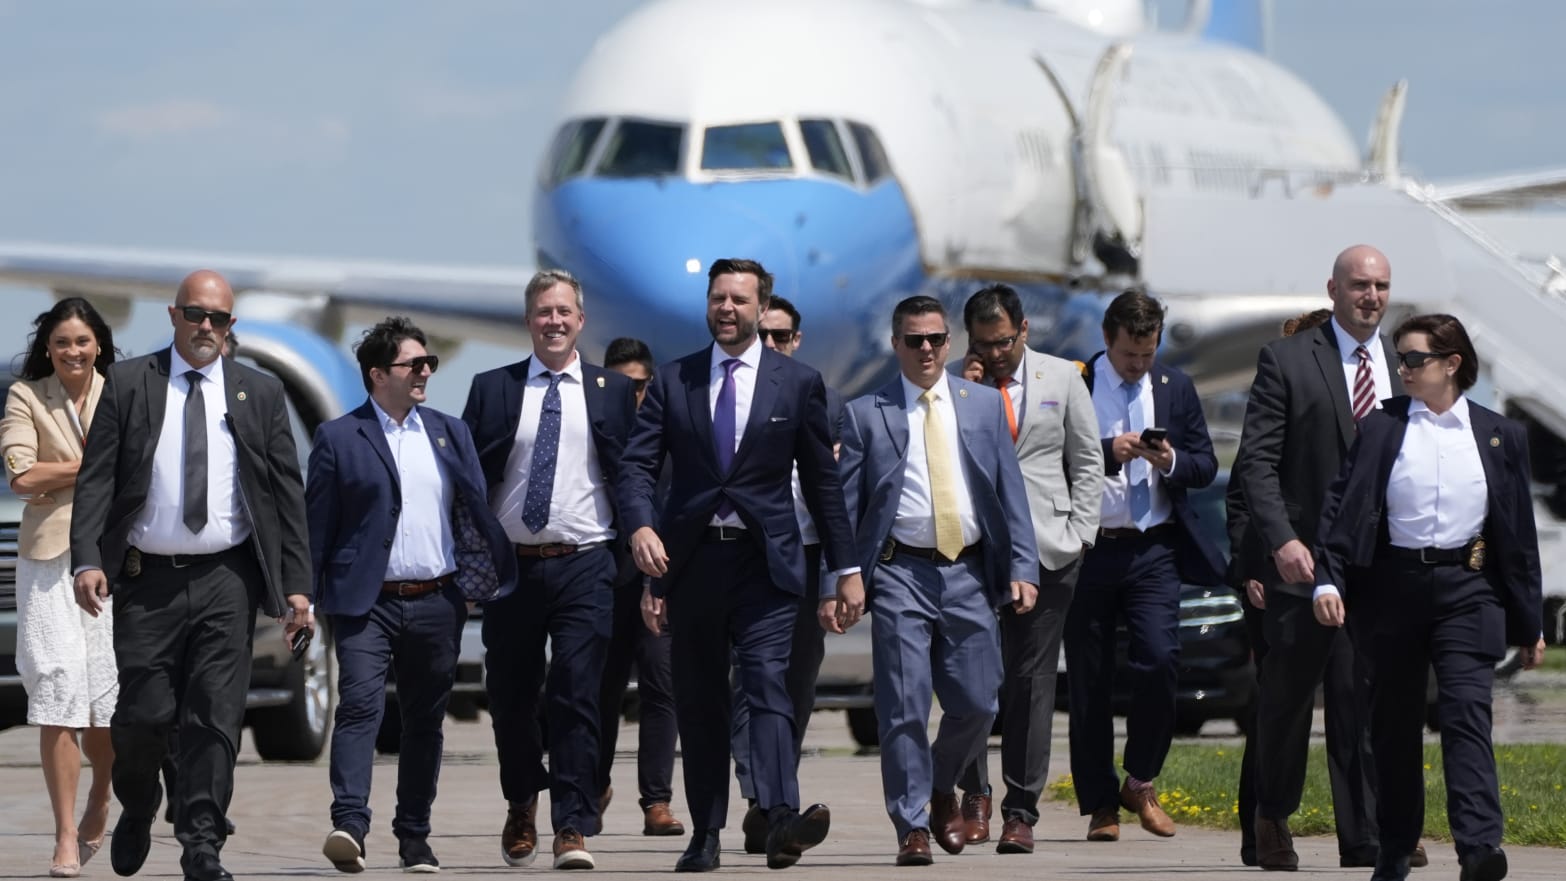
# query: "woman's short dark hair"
36,364
1138,314
1447,337
378,347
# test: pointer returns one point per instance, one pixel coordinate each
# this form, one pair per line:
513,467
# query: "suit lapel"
894,410
370,428
697,372
239,404
1032,374
511,395
156,385
593,391
58,403
94,394
769,379
1160,381
1487,435
1330,361
964,409
1394,379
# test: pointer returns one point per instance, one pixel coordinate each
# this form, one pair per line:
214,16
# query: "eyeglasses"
196,315
779,337
1416,360
917,340
417,365
1003,344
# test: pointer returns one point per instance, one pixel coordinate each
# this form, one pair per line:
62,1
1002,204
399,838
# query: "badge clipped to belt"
132,567
1476,554
888,550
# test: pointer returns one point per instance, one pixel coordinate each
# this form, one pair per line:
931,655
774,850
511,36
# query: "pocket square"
1044,405
777,418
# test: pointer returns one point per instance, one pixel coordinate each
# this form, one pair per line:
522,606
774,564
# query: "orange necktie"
1011,415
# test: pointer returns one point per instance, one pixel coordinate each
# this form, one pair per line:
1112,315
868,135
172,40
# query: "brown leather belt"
1133,532
554,549
406,589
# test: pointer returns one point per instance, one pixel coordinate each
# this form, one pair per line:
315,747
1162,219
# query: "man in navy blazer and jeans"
733,419
550,430
400,537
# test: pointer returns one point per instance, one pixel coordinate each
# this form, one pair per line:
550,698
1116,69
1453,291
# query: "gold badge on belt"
132,567
888,550
1476,549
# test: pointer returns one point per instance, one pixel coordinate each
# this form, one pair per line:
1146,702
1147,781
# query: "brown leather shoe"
519,838
1275,845
1418,859
946,823
571,850
1105,825
657,819
916,849
1144,803
976,813
1016,837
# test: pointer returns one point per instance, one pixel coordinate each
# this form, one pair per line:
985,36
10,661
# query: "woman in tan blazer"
65,657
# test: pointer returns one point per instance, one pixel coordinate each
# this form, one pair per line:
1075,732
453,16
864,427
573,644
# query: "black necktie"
195,502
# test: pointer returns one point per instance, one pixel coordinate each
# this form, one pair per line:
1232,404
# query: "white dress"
65,656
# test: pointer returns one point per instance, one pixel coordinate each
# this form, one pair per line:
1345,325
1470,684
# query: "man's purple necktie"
723,428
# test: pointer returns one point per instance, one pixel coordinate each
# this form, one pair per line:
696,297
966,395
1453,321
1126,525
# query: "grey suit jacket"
1061,457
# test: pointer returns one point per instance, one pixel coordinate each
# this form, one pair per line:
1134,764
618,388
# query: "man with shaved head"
1310,391
190,510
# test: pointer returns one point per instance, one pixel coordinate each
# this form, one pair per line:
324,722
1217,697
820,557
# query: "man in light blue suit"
930,477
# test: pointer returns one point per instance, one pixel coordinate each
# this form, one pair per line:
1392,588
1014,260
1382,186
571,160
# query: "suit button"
396,512
387,543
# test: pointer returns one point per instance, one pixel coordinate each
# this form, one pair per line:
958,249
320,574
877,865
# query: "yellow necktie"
943,484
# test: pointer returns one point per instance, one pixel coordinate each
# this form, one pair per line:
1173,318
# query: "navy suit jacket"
1353,518
354,500
1177,408
788,424
874,461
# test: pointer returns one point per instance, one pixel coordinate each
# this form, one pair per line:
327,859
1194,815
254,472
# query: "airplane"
866,150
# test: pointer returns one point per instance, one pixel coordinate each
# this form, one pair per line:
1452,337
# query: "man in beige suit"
1050,414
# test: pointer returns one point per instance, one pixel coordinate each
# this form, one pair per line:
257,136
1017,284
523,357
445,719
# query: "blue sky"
410,131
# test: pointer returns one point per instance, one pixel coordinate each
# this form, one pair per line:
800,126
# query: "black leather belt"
1133,532
725,533
174,561
554,549
408,589
1429,556
929,553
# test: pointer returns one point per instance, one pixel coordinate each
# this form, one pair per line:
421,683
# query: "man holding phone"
1156,447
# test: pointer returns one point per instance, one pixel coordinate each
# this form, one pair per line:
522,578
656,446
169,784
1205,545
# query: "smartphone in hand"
1152,437
301,641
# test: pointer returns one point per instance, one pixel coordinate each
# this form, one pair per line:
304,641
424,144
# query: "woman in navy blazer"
1428,533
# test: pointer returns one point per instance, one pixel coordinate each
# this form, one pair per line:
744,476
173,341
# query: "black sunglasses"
1416,360
417,365
779,337
917,340
196,315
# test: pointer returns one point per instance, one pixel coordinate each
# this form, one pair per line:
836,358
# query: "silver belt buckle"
1424,559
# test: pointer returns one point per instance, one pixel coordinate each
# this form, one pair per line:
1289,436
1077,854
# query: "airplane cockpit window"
871,153
642,149
751,147
572,145
825,146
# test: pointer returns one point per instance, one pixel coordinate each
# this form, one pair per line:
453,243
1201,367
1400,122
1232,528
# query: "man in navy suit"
733,420
944,538
550,430
400,538
1148,541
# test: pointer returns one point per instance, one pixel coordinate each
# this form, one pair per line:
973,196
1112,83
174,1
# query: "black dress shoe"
793,834
1391,869
1484,864
129,844
701,855
755,829
205,867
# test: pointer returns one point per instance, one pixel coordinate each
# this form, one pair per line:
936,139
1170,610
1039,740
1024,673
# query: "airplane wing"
467,302
1508,191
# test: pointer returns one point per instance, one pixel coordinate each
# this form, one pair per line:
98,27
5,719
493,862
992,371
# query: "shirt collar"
1347,344
411,423
178,366
1107,370
751,357
1457,414
537,368
912,393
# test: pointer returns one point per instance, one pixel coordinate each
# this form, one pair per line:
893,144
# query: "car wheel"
863,726
296,731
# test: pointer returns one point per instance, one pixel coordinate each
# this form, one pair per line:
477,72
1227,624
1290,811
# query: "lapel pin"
1164,379
1038,374
1495,441
440,442
240,396
600,382
962,392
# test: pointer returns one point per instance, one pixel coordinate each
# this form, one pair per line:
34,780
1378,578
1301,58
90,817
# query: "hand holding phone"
1152,437
301,641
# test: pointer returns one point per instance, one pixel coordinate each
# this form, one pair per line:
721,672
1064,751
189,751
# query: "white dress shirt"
915,521
1378,362
744,393
579,509
422,547
1109,404
160,527
1437,495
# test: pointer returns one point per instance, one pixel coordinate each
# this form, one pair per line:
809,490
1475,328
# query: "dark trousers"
804,662
182,642
1246,799
567,602
418,638
1301,655
633,644
1449,618
1135,580
725,598
1030,652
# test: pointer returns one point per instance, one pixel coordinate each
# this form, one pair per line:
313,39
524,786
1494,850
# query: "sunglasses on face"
917,340
1416,360
779,337
196,315
417,365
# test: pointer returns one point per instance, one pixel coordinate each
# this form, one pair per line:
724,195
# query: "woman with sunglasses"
1428,534
65,657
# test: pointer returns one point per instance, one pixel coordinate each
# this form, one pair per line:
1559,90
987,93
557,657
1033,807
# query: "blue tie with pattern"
546,449
724,428
1137,472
